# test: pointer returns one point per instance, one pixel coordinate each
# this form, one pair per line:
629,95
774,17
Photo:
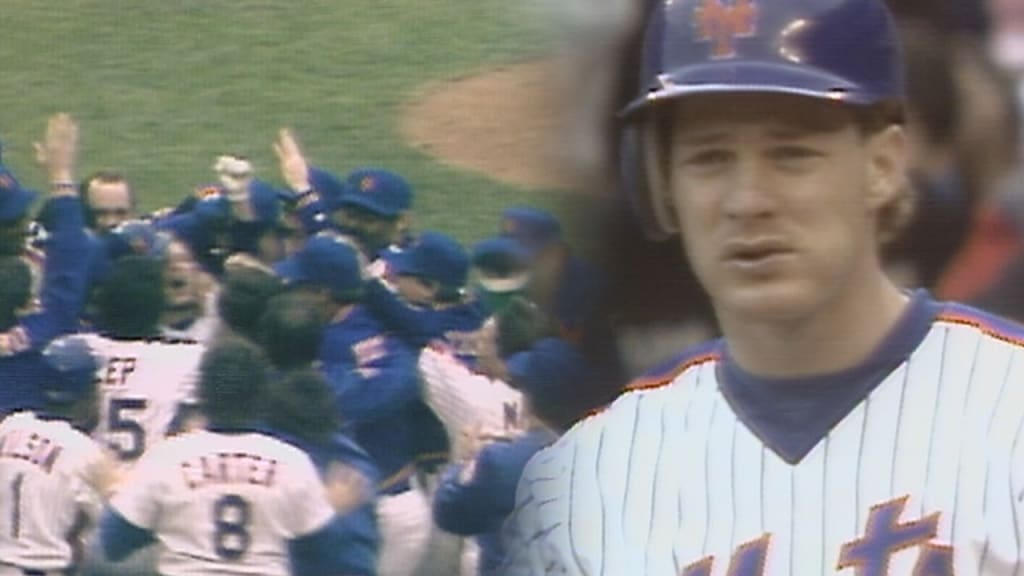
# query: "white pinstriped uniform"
463,398
44,487
668,481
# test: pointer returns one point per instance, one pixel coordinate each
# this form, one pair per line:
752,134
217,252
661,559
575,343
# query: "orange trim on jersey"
650,383
986,328
659,381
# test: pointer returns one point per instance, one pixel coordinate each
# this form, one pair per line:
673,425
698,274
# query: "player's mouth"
756,255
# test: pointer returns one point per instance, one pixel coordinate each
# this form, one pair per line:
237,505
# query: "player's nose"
749,195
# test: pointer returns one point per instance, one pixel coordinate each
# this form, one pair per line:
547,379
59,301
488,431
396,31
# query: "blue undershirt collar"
792,415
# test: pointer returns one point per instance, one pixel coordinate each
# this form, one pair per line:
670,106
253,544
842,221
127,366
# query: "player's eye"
793,154
707,159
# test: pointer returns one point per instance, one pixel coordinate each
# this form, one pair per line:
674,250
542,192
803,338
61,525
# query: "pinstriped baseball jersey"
44,470
462,398
908,464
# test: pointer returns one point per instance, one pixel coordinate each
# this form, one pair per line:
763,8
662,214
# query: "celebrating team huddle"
271,381
297,380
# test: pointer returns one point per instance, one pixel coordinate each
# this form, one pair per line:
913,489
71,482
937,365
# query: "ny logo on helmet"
722,23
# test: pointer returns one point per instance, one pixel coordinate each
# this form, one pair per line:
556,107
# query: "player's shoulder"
958,316
55,431
201,442
617,418
663,377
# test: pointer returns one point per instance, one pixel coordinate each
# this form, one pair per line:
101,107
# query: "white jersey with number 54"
142,383
224,503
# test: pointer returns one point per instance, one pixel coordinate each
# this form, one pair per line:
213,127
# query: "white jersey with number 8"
224,503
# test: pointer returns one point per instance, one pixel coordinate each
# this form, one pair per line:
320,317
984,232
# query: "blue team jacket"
376,391
479,507
417,326
65,279
357,529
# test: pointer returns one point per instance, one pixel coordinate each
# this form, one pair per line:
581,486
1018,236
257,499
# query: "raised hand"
58,152
294,168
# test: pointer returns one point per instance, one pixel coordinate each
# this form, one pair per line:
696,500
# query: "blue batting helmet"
841,50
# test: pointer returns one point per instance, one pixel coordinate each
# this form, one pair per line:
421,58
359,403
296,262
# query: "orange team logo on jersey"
510,226
721,23
367,184
206,192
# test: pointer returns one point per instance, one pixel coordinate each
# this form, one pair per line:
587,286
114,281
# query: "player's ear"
887,165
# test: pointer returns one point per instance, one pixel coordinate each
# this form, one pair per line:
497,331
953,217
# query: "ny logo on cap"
722,23
367,184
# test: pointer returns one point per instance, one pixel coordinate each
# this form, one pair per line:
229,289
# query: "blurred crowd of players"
159,371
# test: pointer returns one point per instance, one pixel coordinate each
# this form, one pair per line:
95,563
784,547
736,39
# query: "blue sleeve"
120,537
415,326
344,546
65,276
382,386
476,507
347,451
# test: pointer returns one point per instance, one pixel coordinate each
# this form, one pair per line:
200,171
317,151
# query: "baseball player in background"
60,271
841,425
477,492
53,475
423,298
225,500
374,390
144,379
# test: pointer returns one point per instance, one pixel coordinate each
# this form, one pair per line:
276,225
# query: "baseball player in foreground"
53,475
227,499
841,425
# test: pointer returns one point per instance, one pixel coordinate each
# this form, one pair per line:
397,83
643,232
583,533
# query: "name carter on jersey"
228,468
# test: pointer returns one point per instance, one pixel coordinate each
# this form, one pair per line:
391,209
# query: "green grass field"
160,88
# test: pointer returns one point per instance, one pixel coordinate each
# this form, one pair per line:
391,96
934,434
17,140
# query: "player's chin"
775,299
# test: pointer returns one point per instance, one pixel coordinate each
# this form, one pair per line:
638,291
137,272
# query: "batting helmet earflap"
841,50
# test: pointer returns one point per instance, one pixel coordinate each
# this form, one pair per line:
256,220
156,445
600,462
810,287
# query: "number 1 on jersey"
16,505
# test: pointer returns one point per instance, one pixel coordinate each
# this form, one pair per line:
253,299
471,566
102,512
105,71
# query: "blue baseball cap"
328,260
433,256
139,237
71,358
14,199
502,263
381,192
548,372
534,228
265,200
